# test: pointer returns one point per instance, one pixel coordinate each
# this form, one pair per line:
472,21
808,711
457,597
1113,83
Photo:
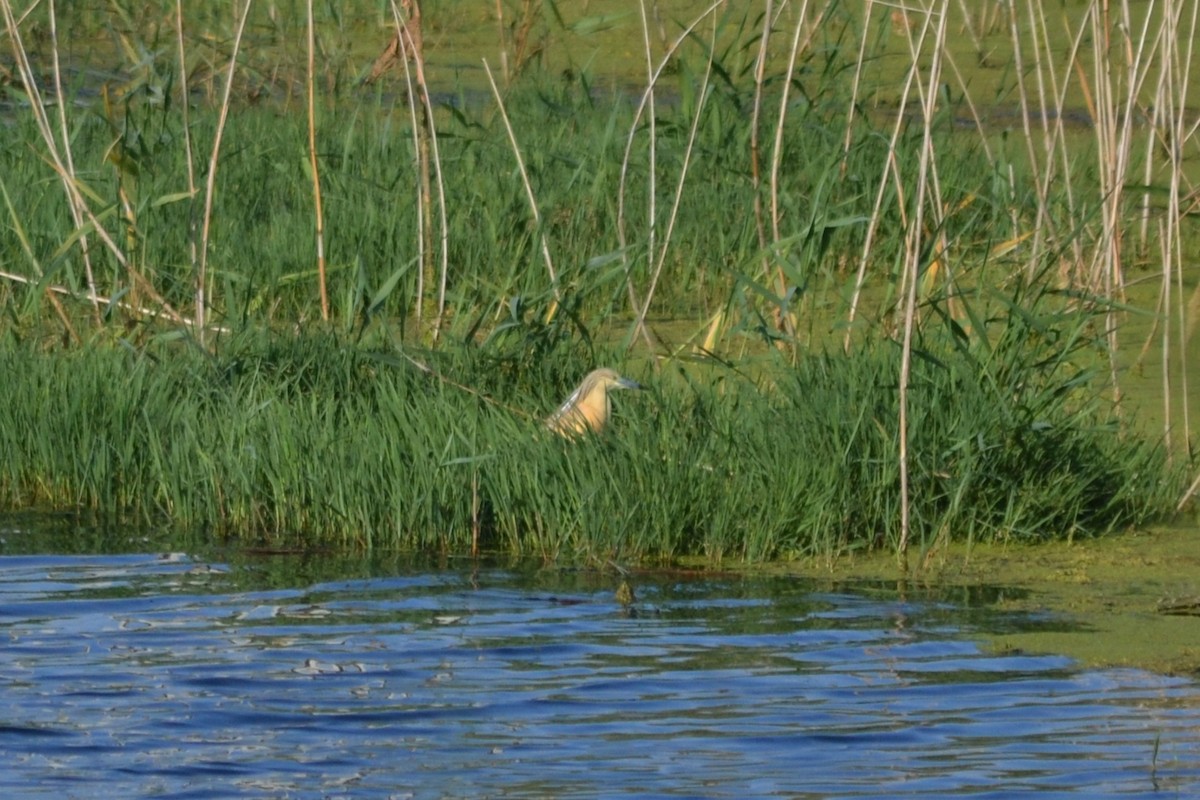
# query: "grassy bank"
935,255
312,441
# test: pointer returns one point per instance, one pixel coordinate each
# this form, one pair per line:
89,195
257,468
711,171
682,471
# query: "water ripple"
158,676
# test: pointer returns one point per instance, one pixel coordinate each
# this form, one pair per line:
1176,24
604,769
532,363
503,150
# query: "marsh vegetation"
888,272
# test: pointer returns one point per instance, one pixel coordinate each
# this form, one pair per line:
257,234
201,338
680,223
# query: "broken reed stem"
144,312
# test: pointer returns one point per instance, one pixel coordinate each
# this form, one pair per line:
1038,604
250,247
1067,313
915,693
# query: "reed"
312,441
314,164
860,217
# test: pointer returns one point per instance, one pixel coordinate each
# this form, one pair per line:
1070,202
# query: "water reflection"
166,676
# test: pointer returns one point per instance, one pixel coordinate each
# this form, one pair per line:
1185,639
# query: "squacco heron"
588,407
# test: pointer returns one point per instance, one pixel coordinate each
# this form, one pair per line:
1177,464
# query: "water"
161,675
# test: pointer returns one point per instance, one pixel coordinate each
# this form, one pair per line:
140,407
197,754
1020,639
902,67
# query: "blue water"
159,675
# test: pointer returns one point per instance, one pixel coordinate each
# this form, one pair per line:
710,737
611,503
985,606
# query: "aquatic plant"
315,441
768,194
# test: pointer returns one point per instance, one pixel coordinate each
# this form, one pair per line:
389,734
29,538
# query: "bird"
588,407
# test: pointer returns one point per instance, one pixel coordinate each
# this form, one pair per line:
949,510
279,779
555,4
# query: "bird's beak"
626,383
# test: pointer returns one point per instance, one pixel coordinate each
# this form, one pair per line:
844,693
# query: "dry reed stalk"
926,194
1172,99
927,97
1165,254
1114,96
66,174
647,100
318,213
1113,130
855,84
1054,140
1114,137
760,72
443,220
54,301
407,47
523,51
37,267
210,185
76,215
411,33
1020,70
503,42
1182,134
777,149
785,317
969,26
398,46
529,195
1053,167
88,297
1187,495
184,105
640,324
1158,124
891,171
652,170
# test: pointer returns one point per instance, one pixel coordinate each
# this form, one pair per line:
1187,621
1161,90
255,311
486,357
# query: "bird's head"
588,407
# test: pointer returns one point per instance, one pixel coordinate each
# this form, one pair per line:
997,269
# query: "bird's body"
588,407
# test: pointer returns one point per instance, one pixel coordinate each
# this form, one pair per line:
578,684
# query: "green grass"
262,266
572,132
753,443
315,441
